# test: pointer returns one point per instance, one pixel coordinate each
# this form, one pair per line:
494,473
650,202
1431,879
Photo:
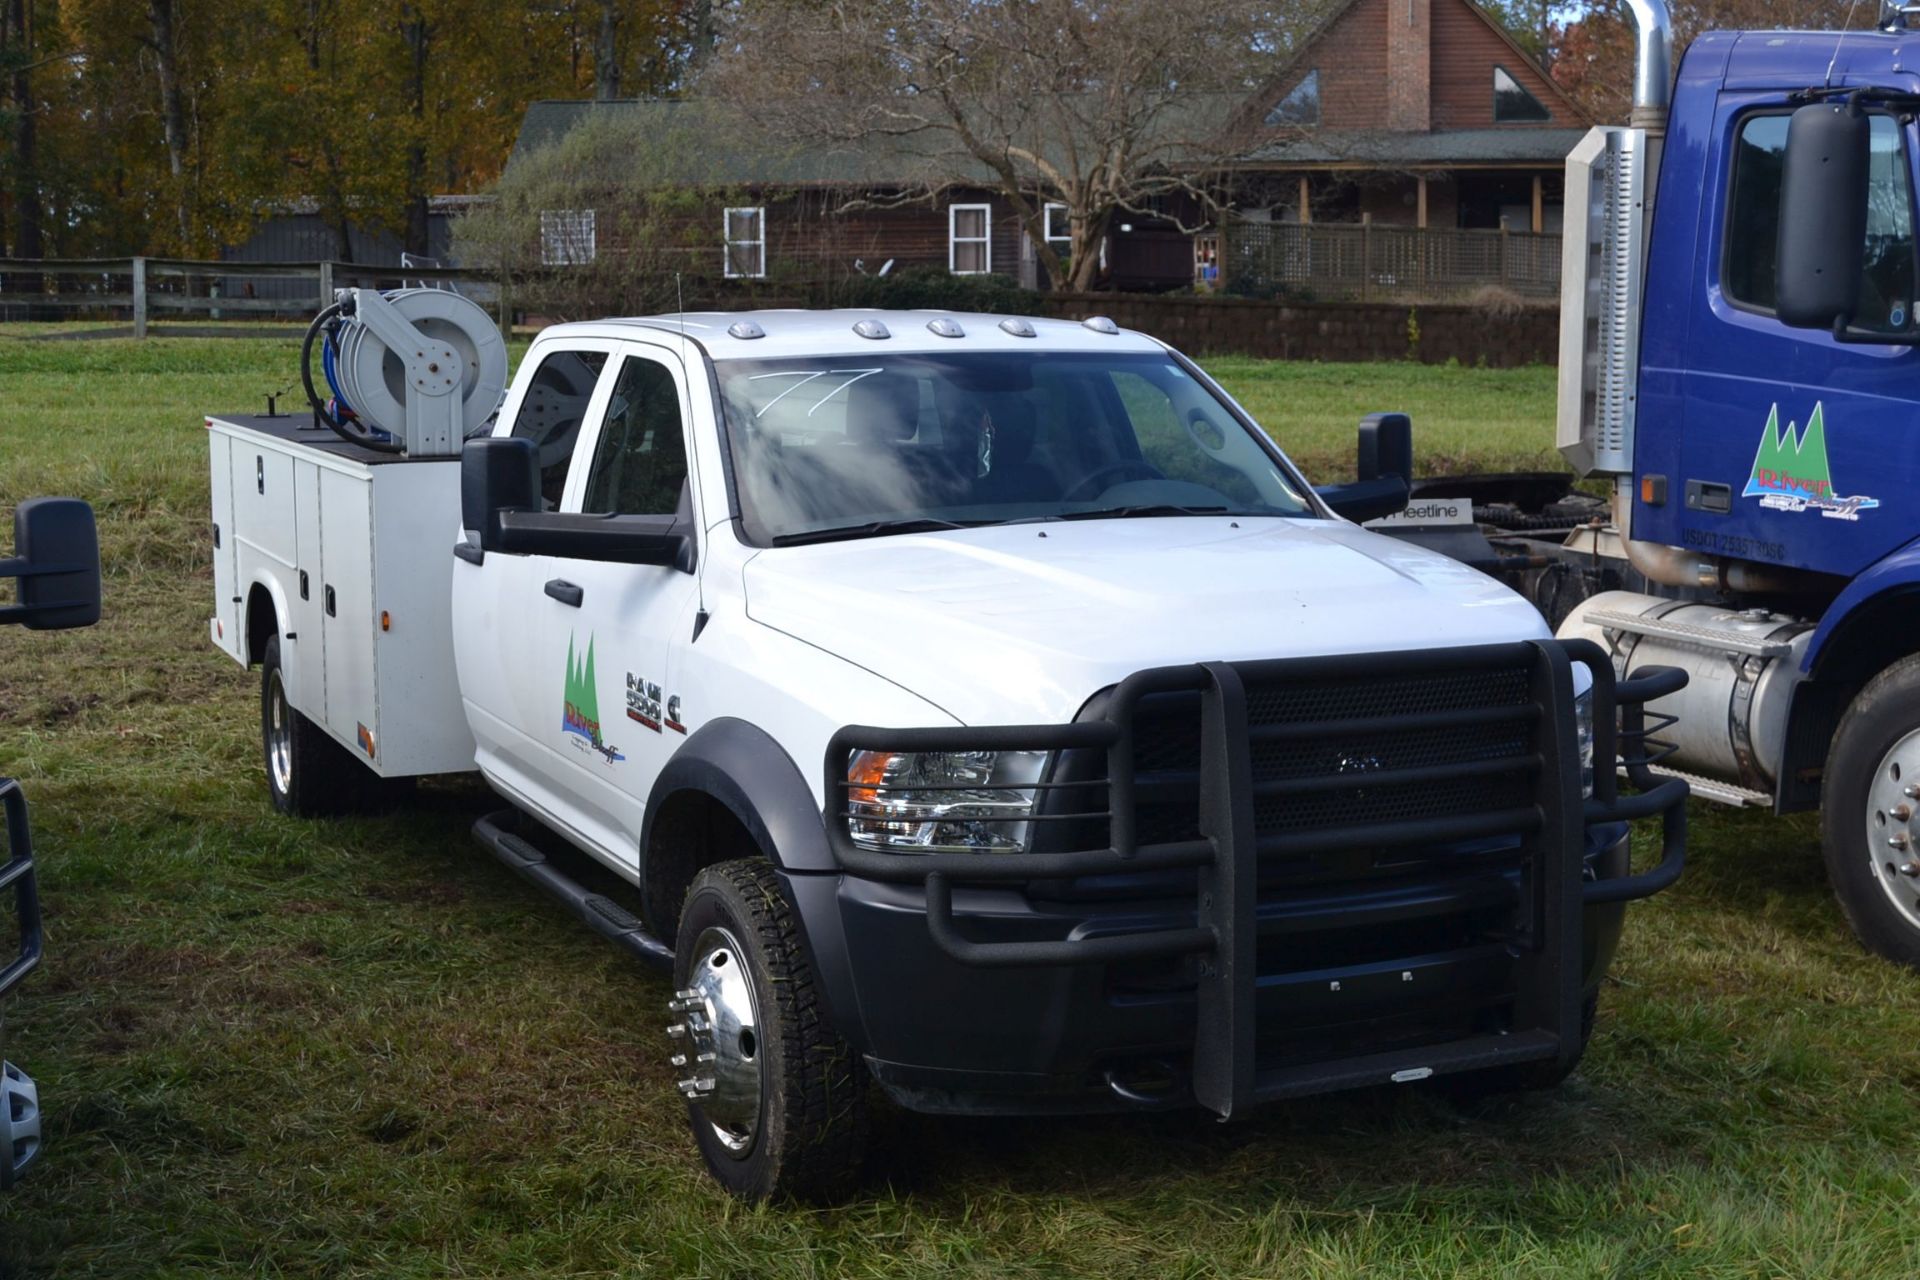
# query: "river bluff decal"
1791,473
580,708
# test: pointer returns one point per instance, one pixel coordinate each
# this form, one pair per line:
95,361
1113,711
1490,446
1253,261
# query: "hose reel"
411,371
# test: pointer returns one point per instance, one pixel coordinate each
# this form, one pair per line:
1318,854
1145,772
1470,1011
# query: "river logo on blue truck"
1791,473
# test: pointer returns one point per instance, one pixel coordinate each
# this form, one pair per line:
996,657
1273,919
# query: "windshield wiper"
1142,509
871,529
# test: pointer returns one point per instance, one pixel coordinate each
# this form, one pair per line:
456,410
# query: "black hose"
320,410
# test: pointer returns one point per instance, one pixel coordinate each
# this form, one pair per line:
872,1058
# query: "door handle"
565,592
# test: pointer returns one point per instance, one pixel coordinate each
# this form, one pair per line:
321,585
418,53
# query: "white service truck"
981,707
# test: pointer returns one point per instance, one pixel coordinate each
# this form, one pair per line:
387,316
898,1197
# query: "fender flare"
282,614
1894,572
740,765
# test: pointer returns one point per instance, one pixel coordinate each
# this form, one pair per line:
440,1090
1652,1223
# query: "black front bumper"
16,874
1273,946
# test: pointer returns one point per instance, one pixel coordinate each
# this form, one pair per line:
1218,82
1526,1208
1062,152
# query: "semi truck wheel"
309,775
776,1099
1870,813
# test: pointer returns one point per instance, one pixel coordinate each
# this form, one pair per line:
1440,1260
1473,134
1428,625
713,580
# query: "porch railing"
1329,261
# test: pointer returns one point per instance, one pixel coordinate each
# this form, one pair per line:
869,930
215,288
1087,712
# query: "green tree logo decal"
580,707
1795,467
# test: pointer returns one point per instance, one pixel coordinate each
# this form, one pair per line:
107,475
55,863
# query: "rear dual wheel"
309,775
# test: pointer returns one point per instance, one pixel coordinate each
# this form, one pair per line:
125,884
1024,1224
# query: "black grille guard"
17,874
1225,1077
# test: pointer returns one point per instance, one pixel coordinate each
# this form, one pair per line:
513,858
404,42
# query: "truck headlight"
942,801
1583,730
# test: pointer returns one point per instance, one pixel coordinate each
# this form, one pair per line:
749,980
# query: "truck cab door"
608,630
511,703
1792,447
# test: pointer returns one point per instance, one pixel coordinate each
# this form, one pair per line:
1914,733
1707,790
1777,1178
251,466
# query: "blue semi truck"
1740,368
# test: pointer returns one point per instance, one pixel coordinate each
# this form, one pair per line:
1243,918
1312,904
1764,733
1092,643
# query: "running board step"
1727,793
601,914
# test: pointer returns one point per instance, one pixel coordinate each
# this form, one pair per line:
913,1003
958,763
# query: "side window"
640,464
551,413
1753,223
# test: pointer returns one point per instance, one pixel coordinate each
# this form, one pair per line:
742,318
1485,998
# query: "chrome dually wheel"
775,1097
720,1027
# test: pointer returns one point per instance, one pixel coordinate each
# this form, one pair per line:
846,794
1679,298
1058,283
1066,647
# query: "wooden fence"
1367,262
31,288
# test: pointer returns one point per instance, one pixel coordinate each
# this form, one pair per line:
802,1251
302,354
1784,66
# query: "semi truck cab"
1738,365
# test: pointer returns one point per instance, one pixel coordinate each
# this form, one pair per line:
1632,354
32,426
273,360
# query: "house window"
1512,104
1059,228
1753,223
969,242
566,237
746,233
1301,106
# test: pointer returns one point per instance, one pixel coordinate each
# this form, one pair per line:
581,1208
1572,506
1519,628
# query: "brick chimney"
1410,65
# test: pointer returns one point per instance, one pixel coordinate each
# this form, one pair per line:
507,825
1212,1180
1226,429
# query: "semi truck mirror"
1386,446
497,474
1823,216
57,561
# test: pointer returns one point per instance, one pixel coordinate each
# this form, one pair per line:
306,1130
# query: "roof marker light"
944,327
1100,324
871,329
1016,326
745,329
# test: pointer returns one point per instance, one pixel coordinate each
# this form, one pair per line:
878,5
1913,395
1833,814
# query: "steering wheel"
1108,476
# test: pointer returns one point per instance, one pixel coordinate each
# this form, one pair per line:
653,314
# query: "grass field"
363,1048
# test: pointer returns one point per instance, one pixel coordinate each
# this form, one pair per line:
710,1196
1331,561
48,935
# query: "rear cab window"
551,412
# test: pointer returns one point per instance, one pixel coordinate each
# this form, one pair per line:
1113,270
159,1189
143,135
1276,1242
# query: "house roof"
1450,149
699,141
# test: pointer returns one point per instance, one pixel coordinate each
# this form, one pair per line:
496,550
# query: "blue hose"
333,383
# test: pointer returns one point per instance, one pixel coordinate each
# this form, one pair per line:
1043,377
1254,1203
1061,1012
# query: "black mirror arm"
21,567
1868,338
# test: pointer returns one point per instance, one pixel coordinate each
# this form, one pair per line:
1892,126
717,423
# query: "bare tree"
1108,107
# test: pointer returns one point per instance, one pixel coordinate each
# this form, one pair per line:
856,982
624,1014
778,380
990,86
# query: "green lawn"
363,1048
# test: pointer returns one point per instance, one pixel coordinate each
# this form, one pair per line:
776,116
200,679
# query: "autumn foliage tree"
176,126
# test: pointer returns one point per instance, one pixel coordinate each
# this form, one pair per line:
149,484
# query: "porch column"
1539,204
1420,206
1306,202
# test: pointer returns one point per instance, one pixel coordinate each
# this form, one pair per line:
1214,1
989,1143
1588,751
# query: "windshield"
850,447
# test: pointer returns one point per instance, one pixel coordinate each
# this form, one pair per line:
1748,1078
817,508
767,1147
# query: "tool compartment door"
347,621
225,627
307,674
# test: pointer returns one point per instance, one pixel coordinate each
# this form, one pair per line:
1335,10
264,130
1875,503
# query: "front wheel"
776,1098
1870,813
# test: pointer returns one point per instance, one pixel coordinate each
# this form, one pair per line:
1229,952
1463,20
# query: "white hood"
1021,624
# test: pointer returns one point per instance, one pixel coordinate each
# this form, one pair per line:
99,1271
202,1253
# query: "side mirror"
1823,216
500,501
57,560
497,475
1386,447
1383,471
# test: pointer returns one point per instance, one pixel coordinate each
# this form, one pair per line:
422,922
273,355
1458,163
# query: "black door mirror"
500,502
497,475
57,561
1383,470
1823,216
